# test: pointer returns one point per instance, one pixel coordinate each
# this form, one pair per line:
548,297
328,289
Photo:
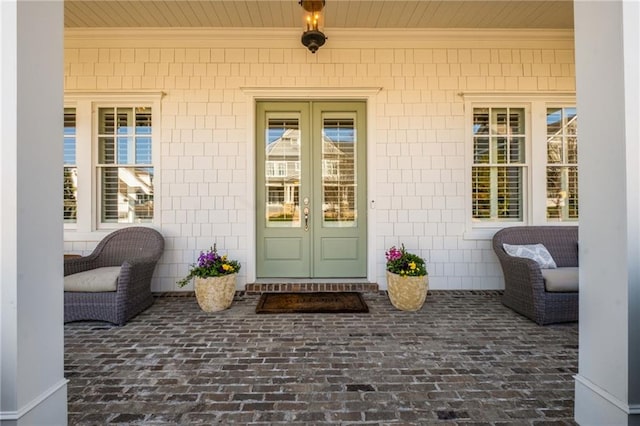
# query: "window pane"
509,192
70,185
562,193
481,121
143,150
118,143
125,121
554,121
516,150
572,150
554,151
70,172
282,170
143,136
143,121
124,146
501,150
499,125
338,173
562,157
572,207
481,192
516,121
107,150
106,121
481,150
127,194
69,136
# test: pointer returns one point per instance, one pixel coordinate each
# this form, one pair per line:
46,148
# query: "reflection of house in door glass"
338,172
282,172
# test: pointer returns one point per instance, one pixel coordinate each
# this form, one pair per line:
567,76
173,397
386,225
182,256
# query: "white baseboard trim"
17,415
632,409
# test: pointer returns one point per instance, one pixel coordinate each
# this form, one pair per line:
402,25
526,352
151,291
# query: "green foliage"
401,262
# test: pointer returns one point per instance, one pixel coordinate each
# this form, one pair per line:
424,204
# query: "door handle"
306,218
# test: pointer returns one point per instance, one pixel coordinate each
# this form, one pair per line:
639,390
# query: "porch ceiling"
557,14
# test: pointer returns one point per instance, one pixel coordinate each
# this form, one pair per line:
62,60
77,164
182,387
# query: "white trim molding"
339,38
534,180
630,409
254,94
18,414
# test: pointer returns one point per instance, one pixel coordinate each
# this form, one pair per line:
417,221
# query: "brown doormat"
296,303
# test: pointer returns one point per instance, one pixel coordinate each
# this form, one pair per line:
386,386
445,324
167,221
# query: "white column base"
595,406
49,408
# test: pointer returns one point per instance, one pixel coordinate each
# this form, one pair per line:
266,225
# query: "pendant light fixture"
312,37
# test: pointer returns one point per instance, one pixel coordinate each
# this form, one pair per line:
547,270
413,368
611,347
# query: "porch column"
607,41
33,390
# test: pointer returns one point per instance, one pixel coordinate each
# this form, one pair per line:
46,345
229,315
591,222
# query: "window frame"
87,151
491,165
534,179
100,166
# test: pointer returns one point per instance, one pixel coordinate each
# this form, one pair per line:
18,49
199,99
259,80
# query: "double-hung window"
125,167
523,161
110,159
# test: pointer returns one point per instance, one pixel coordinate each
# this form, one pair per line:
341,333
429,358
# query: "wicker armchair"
136,250
524,290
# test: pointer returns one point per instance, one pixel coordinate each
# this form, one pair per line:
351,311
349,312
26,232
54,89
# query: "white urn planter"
215,293
407,293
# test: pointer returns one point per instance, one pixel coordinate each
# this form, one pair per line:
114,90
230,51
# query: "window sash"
70,170
124,166
499,162
562,164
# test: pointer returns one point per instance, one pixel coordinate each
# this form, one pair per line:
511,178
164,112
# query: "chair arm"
79,264
135,275
523,274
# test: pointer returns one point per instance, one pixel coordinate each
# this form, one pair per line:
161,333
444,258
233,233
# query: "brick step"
309,287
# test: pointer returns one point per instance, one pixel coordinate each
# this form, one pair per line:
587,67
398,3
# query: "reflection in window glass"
562,164
339,172
282,173
70,186
498,163
125,164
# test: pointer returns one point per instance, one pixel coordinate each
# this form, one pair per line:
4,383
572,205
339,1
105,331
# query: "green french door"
311,193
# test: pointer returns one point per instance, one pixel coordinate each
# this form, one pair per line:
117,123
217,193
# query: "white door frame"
253,94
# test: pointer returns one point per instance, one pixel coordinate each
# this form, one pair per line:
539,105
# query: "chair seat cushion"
561,279
94,280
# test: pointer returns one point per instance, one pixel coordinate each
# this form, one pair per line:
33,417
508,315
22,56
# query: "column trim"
18,414
633,409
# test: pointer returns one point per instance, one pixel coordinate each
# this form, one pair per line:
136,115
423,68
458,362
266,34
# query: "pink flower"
393,254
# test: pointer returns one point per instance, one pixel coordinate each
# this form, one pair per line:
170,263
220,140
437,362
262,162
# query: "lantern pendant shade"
312,38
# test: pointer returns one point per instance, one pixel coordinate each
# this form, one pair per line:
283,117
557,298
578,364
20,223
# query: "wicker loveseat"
526,289
129,257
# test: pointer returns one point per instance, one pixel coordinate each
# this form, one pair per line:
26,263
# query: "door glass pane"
339,182
282,173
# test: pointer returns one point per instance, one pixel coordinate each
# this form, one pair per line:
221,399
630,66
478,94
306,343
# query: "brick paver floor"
463,359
